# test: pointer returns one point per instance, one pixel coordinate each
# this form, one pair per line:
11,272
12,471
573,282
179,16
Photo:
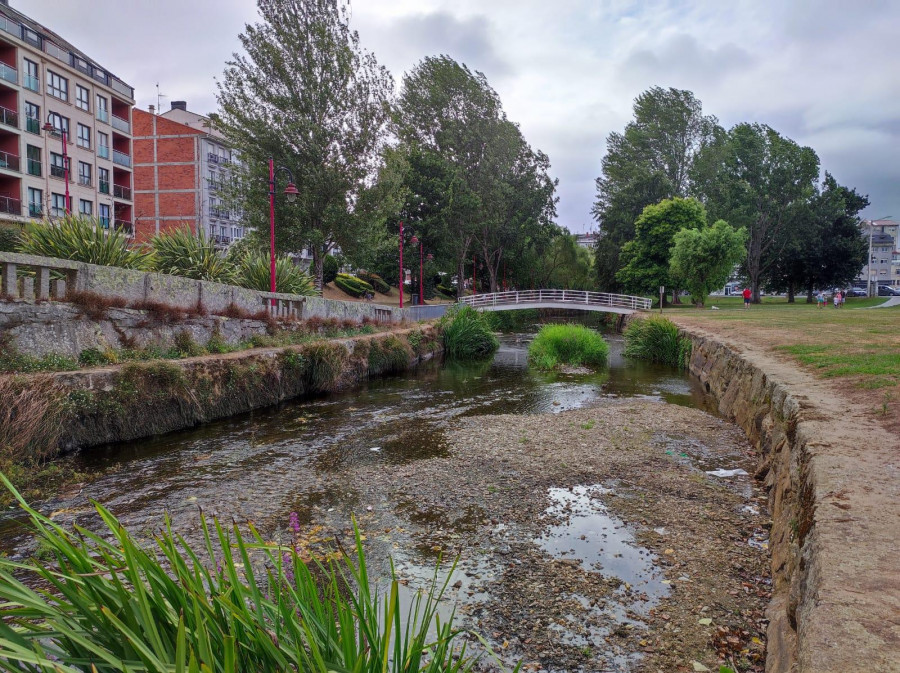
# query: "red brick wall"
177,177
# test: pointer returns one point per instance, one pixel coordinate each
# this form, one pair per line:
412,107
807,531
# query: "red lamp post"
401,265
291,193
50,128
415,241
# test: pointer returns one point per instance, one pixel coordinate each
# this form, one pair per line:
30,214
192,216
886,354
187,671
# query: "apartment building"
181,165
61,114
884,239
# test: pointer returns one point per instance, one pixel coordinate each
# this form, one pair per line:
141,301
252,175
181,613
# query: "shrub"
330,268
466,333
375,281
124,607
10,239
326,364
82,239
93,304
352,285
30,420
657,339
255,274
446,290
182,253
569,344
388,355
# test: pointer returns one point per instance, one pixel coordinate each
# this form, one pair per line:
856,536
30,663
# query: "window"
103,144
84,174
84,136
32,78
102,109
86,207
103,179
33,154
35,202
32,118
31,37
103,209
58,205
82,98
57,86
57,165
59,122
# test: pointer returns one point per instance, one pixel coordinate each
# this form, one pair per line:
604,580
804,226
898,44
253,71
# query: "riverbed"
589,532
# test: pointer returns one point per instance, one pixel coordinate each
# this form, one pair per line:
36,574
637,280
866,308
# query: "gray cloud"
681,59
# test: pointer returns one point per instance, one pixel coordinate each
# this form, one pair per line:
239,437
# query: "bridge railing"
574,297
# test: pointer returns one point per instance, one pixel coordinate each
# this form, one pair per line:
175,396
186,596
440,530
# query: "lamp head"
414,240
429,257
291,192
49,128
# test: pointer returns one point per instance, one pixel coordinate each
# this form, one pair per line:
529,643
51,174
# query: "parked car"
888,291
857,292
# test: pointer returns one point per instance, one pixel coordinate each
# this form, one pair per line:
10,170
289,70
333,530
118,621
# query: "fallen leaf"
706,621
698,666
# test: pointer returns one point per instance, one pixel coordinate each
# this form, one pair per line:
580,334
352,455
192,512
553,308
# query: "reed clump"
467,334
571,344
658,340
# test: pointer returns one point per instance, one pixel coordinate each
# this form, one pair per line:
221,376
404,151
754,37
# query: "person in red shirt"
747,294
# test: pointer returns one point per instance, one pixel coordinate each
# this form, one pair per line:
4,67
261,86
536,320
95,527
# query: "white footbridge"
605,302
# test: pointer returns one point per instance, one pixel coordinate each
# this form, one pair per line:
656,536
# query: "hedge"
352,285
375,281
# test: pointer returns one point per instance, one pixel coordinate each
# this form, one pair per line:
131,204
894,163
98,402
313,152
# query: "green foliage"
658,340
646,257
82,239
566,265
703,259
124,607
389,355
330,269
255,273
375,281
11,360
181,253
326,364
10,238
571,344
352,285
512,321
466,334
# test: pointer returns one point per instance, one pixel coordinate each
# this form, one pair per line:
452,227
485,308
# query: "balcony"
223,240
9,73
122,192
213,186
9,117
33,125
213,158
104,186
103,151
220,214
121,158
9,161
10,27
10,205
124,226
121,124
84,180
31,82
35,210
35,167
104,222
59,172
103,115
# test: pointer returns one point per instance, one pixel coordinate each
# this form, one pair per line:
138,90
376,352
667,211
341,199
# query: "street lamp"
415,241
291,193
871,261
402,275
50,128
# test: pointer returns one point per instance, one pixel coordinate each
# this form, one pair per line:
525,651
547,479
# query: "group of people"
838,299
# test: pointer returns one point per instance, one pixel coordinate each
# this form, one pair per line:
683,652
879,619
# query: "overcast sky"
825,73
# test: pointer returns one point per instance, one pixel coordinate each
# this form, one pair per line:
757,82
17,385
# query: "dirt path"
855,452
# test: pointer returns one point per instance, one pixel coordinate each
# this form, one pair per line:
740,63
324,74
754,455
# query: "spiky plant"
82,239
255,272
182,253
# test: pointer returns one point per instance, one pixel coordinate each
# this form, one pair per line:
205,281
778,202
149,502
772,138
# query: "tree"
646,257
307,95
651,161
566,265
755,178
703,259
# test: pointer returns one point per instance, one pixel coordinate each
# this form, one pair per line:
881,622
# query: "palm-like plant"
82,239
182,253
255,273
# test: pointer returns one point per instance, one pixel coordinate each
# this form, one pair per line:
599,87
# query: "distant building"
880,267
588,240
45,79
181,164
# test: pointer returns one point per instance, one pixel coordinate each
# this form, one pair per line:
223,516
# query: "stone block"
58,289
26,285
43,283
9,287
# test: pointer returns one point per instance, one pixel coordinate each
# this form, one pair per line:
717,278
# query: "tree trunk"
460,277
675,298
790,293
809,294
318,267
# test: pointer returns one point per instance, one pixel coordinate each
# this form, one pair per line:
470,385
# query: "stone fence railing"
50,279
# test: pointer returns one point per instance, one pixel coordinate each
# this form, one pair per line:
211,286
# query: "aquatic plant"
570,344
82,239
466,333
114,605
389,355
658,340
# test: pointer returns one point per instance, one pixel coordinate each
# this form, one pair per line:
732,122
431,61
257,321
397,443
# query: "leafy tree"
755,178
307,95
565,265
651,161
703,259
647,256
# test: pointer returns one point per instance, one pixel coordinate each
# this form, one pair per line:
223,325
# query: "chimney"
179,105
152,109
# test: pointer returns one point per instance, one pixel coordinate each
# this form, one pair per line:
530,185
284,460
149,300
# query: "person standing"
747,294
820,299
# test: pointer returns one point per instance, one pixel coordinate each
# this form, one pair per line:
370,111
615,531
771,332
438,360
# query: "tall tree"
703,259
755,178
651,161
309,96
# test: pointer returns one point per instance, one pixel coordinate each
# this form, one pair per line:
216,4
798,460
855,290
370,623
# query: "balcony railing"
121,87
213,185
9,73
122,192
103,115
35,210
10,27
34,167
9,117
121,158
220,213
125,226
33,125
103,151
32,82
59,172
213,158
9,161
84,180
10,205
224,240
104,186
104,222
121,124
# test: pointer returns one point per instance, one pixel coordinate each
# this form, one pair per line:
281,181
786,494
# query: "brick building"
180,165
46,80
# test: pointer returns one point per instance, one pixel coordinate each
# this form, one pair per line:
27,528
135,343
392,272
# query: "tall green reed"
658,340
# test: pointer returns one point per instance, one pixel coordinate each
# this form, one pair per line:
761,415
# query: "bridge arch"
605,302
